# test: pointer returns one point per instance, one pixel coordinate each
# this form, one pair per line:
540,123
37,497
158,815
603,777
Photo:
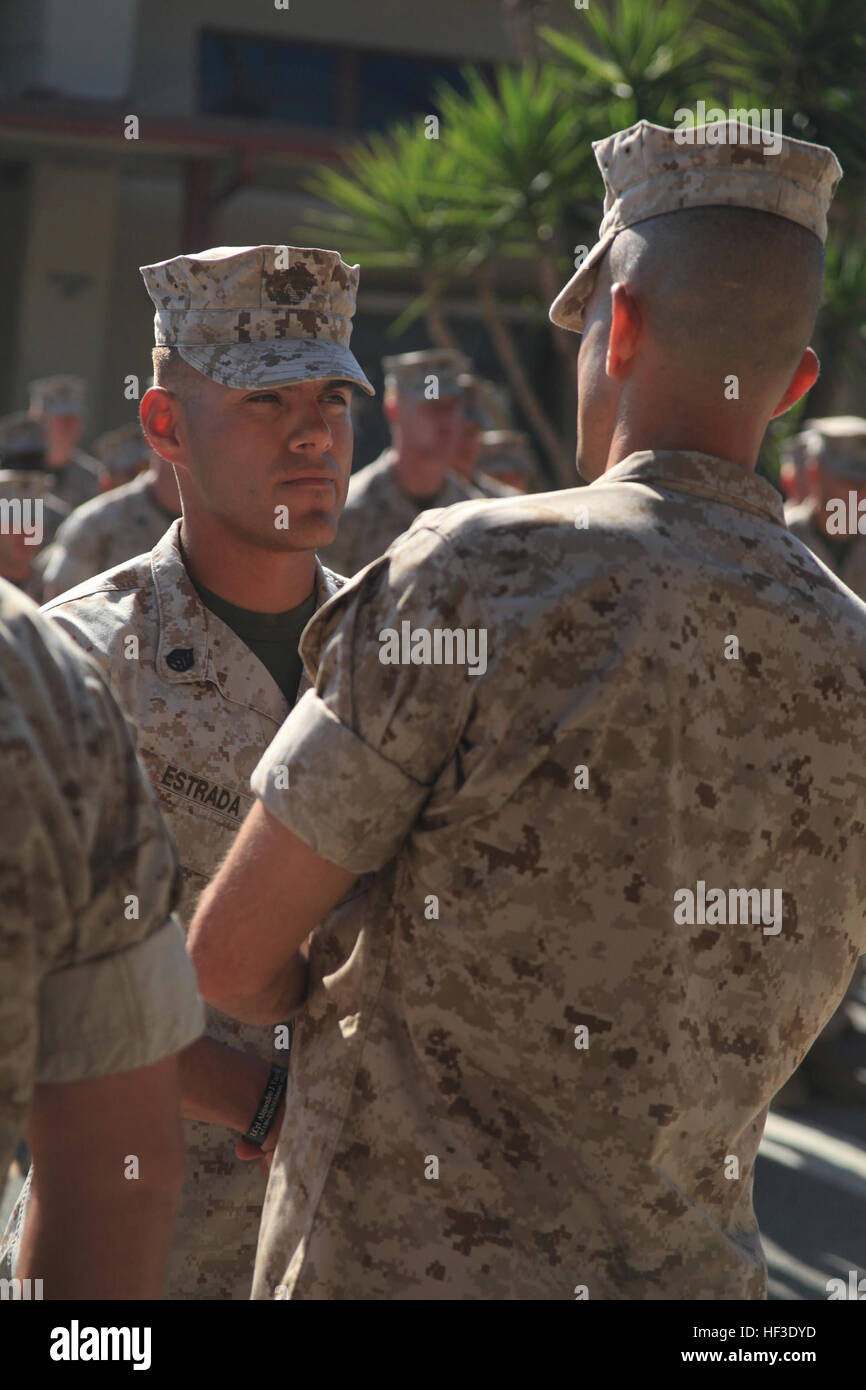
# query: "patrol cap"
482,402
503,451
58,395
649,170
22,442
839,441
249,316
120,449
408,374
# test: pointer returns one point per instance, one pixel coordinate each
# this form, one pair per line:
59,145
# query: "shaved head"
716,293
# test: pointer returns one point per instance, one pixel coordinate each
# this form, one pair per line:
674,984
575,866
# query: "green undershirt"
272,637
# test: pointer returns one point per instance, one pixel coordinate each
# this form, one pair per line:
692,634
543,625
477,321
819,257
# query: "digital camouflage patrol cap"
427,375
839,441
649,170
58,395
122,448
249,316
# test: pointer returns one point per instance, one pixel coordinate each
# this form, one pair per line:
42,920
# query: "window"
316,84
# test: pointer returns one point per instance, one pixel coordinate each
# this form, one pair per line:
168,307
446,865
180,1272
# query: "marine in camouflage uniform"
30,513
205,705
86,989
834,452
518,1073
120,524
507,460
59,402
831,453
481,411
422,400
123,453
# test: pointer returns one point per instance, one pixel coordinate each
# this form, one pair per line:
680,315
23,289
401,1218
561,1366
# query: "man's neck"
262,581
687,427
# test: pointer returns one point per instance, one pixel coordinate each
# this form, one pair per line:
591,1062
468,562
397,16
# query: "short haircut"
723,290
174,374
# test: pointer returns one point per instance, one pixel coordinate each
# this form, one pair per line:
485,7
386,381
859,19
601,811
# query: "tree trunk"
563,468
436,325
521,19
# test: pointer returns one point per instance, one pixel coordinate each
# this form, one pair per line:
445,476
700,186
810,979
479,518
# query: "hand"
264,1152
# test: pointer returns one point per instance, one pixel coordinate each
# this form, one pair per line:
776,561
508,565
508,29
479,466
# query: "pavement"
810,1188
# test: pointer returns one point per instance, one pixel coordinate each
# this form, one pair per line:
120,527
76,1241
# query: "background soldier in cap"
423,405
834,453
124,454
58,402
481,411
507,456
792,470
117,525
29,512
662,693
254,379
95,999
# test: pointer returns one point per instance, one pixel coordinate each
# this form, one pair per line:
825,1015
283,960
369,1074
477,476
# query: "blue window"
316,84
255,77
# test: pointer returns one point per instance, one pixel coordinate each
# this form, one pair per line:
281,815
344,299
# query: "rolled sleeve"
326,763
360,755
119,1012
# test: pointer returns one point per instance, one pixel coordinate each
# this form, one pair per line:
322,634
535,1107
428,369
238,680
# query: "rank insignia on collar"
181,659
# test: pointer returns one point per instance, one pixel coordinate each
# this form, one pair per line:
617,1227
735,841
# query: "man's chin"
310,531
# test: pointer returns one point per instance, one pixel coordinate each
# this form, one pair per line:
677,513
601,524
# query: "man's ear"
159,412
807,373
625,326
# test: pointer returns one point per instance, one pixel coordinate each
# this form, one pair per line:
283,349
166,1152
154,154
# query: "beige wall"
64,297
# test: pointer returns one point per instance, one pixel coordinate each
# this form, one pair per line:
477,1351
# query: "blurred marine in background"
831,520
120,523
58,402
424,407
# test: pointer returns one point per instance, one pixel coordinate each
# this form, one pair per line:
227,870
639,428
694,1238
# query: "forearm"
220,1084
105,1235
276,1001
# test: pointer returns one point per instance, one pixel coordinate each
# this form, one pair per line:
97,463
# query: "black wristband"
269,1104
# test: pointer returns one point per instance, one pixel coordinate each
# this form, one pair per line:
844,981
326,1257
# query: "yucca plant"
414,202
639,61
396,205
806,58
840,333
523,144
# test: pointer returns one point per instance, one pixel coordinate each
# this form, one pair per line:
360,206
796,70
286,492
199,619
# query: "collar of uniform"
700,474
218,654
183,618
327,584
